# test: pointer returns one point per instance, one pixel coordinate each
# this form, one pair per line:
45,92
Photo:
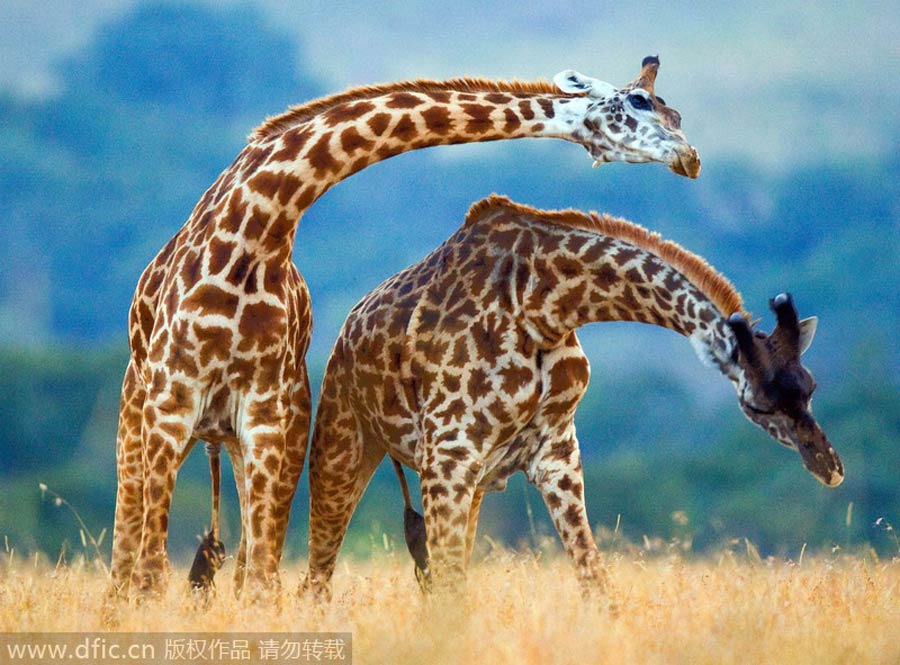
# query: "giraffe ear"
575,83
807,332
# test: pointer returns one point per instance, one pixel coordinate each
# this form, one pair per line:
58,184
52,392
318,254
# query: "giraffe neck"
578,276
285,170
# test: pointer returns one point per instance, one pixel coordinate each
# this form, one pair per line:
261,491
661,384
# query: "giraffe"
466,367
221,319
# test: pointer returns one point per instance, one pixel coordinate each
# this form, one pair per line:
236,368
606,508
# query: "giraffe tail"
414,532
211,553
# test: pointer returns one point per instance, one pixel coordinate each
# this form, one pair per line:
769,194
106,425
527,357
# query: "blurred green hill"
95,180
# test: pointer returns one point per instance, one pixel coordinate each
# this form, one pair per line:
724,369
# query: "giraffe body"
466,367
221,318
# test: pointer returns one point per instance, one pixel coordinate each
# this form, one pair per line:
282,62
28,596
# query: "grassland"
525,608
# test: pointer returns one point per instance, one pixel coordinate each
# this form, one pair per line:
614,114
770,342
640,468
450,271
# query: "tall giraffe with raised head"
466,367
220,320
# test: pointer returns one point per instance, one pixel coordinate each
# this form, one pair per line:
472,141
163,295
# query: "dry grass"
520,609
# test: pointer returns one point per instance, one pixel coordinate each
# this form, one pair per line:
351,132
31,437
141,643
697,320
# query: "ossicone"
741,329
647,78
783,306
788,329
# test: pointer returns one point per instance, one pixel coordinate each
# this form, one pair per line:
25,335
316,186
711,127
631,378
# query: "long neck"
280,174
577,276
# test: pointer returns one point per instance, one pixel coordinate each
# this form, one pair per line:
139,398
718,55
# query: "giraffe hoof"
312,588
149,580
423,577
110,611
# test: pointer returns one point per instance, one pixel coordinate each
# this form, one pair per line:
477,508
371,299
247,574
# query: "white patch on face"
703,349
717,353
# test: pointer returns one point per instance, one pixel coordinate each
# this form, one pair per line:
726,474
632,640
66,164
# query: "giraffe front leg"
559,477
448,489
130,479
340,467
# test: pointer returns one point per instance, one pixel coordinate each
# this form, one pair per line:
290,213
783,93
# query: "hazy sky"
778,82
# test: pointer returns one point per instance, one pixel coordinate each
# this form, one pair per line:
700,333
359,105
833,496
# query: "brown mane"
302,112
695,268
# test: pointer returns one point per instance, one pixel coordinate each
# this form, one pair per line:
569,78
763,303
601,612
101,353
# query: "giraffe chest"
499,436
501,409
564,375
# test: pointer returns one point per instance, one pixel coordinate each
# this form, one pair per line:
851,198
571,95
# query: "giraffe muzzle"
818,456
686,162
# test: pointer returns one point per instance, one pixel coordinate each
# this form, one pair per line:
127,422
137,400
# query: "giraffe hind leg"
166,427
263,456
240,561
340,468
129,472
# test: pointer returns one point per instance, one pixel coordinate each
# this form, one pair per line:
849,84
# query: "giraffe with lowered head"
221,319
466,367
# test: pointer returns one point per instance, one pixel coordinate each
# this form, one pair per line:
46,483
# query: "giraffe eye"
661,100
639,102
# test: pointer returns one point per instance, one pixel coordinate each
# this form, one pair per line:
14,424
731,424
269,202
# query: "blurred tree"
48,400
225,63
102,175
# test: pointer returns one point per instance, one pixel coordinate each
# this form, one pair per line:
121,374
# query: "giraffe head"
775,389
630,124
